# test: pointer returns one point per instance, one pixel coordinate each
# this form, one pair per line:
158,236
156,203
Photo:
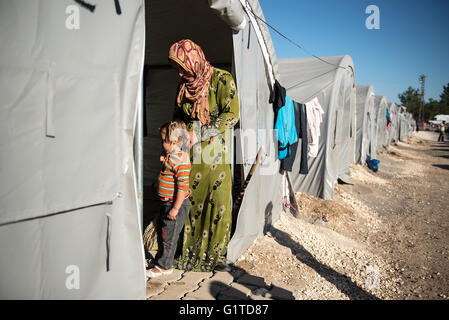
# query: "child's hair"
176,131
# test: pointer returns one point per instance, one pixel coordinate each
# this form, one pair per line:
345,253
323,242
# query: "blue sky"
413,39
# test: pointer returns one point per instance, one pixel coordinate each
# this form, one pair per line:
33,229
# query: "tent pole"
139,153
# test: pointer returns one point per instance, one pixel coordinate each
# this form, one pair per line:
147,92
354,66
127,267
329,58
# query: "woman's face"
183,74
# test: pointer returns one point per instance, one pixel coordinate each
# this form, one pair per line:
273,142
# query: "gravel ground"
385,237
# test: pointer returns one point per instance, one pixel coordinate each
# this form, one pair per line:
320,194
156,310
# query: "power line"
422,80
291,41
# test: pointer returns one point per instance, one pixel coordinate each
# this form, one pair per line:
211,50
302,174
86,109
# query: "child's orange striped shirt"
174,176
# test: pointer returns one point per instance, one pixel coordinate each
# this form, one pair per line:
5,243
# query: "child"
173,192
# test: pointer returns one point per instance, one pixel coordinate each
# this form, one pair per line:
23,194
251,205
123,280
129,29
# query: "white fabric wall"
365,106
67,115
380,103
262,202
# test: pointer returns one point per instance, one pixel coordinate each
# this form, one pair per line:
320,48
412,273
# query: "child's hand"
173,213
162,157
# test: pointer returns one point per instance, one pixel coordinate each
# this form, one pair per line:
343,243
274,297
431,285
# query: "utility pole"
422,80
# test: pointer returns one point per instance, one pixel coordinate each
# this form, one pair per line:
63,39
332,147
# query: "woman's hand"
172,213
192,138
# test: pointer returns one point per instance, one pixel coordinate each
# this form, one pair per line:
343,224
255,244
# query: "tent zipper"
108,241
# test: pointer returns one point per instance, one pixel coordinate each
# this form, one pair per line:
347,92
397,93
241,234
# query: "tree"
431,109
411,99
434,107
444,100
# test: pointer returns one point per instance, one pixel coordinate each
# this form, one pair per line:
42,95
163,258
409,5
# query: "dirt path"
386,236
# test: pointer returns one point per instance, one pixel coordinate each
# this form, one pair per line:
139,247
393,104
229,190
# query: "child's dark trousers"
169,232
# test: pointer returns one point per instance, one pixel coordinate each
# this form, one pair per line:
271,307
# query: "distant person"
417,127
442,129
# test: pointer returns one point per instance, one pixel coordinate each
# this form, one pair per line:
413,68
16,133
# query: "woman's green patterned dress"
208,226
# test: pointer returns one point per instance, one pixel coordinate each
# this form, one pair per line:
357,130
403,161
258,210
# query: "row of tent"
356,122
379,124
76,79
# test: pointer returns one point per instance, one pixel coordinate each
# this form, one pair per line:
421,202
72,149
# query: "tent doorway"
166,23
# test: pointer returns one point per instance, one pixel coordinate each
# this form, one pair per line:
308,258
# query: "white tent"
412,125
394,128
380,103
366,125
331,80
402,123
69,81
405,127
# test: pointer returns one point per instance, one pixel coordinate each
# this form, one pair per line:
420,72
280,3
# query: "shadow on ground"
442,166
251,287
340,281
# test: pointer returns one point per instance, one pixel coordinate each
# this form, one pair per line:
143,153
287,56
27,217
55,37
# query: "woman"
207,102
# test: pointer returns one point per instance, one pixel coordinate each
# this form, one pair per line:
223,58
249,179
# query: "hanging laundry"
301,130
287,163
303,134
387,113
277,96
314,113
286,130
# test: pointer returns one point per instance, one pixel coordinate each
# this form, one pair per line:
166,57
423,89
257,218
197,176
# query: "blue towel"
286,129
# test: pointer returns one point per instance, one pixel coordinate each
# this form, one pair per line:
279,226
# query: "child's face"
168,146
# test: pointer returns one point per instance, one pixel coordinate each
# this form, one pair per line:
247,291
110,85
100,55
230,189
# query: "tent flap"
69,79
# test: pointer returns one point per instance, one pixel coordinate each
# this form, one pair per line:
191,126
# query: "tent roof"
380,99
304,78
363,93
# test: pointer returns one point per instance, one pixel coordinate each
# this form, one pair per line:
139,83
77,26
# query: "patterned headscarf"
190,57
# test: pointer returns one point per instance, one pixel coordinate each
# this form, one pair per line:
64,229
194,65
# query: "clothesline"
291,41
302,82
